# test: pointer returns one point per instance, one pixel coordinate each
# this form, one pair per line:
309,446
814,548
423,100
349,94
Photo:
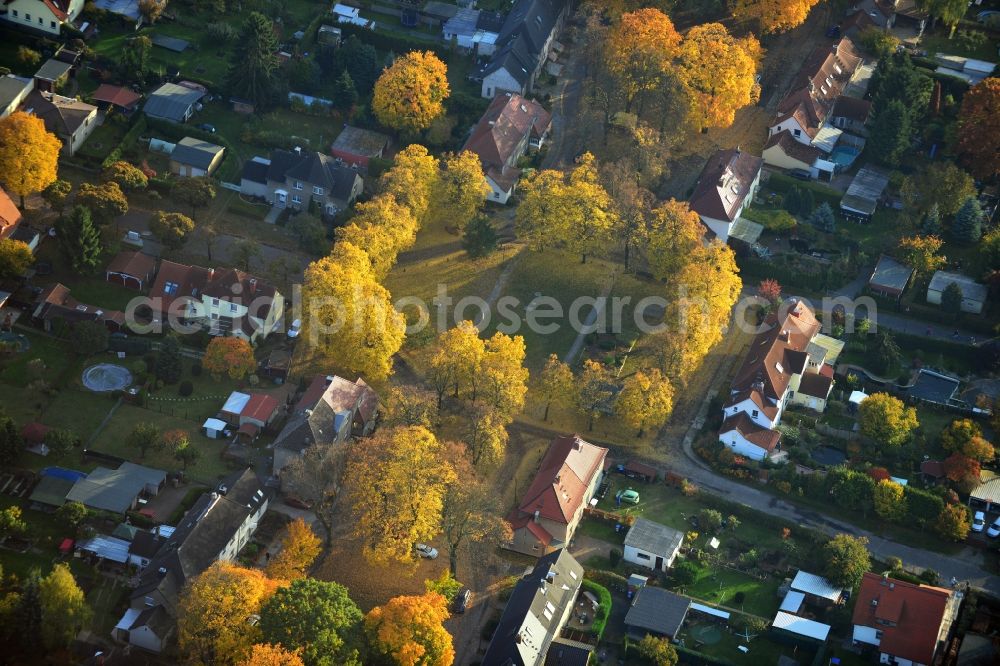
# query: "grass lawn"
103,294
103,140
719,586
54,353
938,42
208,469
78,410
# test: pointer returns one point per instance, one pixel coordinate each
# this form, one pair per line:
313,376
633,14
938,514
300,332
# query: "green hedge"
779,182
603,611
128,141
392,41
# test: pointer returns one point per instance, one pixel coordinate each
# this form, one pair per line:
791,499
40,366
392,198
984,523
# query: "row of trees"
41,614
234,616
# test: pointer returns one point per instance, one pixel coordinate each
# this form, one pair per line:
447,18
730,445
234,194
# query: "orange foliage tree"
773,15
411,93
718,71
28,154
263,654
229,357
979,129
639,51
408,631
299,547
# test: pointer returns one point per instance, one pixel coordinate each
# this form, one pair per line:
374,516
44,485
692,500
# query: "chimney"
537,514
298,150
892,586
211,273
885,579
162,571
253,285
577,444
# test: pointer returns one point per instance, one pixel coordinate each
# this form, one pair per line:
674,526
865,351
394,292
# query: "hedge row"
127,142
779,182
603,610
395,42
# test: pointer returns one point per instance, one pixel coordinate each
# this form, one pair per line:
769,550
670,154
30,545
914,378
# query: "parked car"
801,174
994,528
978,521
205,127
630,496
293,501
423,550
461,601
295,329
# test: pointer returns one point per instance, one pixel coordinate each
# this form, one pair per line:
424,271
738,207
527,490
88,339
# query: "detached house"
224,301
331,410
789,362
725,188
68,118
47,16
552,507
217,527
13,90
536,612
903,622
296,179
523,45
510,127
10,215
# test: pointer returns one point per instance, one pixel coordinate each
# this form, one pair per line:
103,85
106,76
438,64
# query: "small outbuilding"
800,627
356,146
131,269
650,544
657,612
974,294
215,428
110,97
172,102
864,193
817,590
195,157
890,277
52,75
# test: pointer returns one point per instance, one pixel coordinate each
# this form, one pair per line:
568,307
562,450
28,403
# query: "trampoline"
708,634
105,377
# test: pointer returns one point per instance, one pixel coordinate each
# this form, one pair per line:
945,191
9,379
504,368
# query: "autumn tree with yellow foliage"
572,210
28,154
646,399
228,356
461,189
719,71
409,631
410,93
706,289
214,614
675,235
264,654
412,180
64,607
382,228
556,385
640,49
394,484
773,15
299,548
348,317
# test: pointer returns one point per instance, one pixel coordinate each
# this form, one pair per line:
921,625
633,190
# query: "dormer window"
318,191
298,185
797,132
754,413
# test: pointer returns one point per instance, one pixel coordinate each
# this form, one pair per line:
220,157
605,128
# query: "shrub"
603,610
615,556
185,389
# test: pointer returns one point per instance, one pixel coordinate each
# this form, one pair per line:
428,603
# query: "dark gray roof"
543,593
10,87
171,101
146,544
313,168
516,58
343,182
255,170
157,619
201,536
360,141
890,273
114,489
535,19
303,430
566,652
657,611
490,21
51,491
653,537
53,70
195,152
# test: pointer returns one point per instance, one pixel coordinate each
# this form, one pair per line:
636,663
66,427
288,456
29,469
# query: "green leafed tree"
951,298
145,436
822,218
846,559
254,72
345,94
171,229
479,238
89,337
15,258
890,135
318,618
10,441
967,227
168,361
79,239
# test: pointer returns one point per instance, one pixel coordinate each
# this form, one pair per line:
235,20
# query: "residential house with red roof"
331,410
57,308
250,412
784,152
789,362
510,127
904,623
224,301
550,510
109,97
131,269
725,188
10,216
47,16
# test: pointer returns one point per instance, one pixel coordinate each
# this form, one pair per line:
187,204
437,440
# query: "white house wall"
719,227
793,126
748,407
500,81
739,445
144,638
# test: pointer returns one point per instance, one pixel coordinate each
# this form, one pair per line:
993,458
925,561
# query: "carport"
986,495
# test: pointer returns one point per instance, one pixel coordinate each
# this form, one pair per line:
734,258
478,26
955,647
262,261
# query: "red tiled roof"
818,84
563,477
763,437
826,370
260,407
135,264
312,394
794,149
933,468
189,280
775,353
724,184
59,8
116,95
507,121
914,613
815,385
10,216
